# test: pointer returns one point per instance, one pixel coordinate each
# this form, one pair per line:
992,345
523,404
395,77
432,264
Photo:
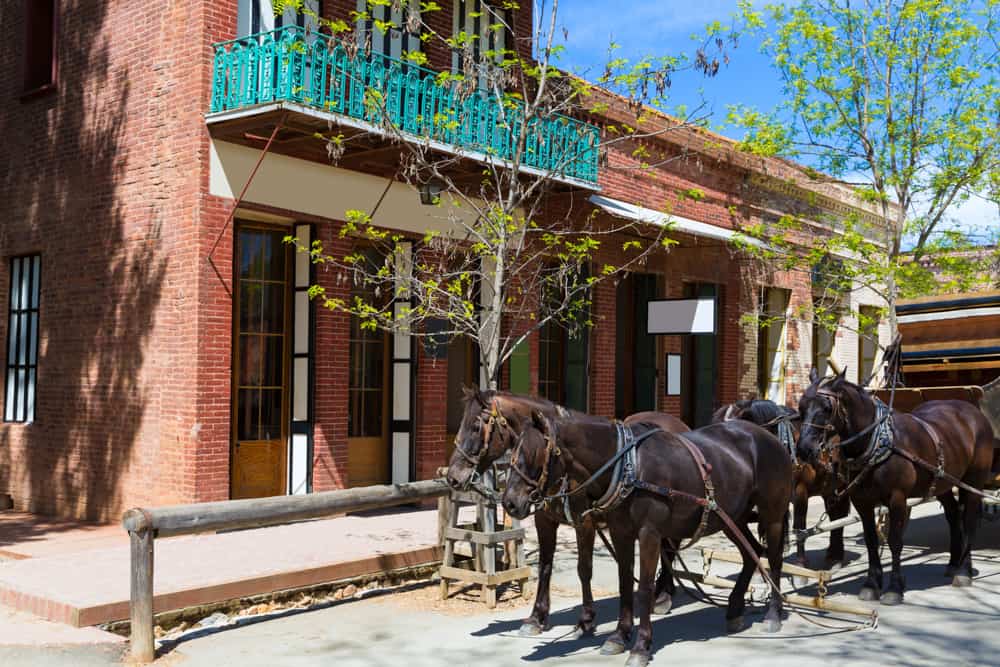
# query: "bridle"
838,412
495,418
539,486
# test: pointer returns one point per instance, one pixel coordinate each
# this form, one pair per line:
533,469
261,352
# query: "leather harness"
881,446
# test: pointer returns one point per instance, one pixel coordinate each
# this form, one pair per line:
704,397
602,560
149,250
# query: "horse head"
535,465
490,425
830,407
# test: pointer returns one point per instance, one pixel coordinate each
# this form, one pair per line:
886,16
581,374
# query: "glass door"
260,400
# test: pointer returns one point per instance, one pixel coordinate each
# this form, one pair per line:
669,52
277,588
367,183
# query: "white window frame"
774,303
255,16
399,41
463,19
21,368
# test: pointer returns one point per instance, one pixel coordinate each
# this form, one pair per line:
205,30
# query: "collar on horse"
622,476
880,444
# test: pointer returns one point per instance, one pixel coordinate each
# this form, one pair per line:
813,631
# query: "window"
551,350
480,23
771,344
868,321
22,339
40,21
822,338
398,39
368,372
563,359
255,16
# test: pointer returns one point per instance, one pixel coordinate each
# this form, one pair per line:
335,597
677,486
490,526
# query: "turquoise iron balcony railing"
290,65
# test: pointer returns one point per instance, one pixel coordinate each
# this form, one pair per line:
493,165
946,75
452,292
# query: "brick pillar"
602,350
431,414
211,467
332,359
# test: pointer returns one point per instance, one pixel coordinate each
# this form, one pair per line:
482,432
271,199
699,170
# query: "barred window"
22,338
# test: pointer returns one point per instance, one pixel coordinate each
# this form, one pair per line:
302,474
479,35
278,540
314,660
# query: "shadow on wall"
102,275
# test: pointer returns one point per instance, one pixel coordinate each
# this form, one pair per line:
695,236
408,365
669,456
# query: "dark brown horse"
746,465
490,427
890,457
810,480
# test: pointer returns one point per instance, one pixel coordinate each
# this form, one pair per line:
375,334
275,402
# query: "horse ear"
813,375
540,421
842,375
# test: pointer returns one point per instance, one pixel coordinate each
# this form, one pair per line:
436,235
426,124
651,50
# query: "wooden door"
701,375
368,400
463,371
260,377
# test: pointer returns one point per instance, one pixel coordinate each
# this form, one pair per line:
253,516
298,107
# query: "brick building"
132,288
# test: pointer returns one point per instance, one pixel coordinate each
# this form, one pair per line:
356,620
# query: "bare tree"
517,247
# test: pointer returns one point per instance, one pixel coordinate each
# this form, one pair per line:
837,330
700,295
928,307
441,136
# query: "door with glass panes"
368,388
260,350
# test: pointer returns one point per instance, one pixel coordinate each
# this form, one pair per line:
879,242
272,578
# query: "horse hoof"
734,625
868,594
771,625
637,660
961,581
529,630
832,564
892,598
663,604
612,647
950,570
579,632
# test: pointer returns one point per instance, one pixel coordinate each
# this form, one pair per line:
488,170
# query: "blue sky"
665,27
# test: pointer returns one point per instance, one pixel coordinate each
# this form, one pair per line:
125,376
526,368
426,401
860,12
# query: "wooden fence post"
141,605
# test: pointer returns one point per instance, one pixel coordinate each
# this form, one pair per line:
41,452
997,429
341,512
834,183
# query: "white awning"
621,209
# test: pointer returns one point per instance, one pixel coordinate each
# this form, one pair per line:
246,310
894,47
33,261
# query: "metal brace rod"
239,200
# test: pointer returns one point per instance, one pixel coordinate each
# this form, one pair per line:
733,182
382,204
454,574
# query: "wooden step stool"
483,536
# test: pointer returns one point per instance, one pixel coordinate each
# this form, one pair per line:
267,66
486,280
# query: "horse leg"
872,587
898,514
585,533
954,517
836,508
972,509
775,540
649,551
624,543
665,585
737,598
545,528
800,506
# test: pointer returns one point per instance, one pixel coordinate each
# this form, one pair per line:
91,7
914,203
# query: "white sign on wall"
681,316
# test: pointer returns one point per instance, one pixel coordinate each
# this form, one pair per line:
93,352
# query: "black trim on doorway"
306,427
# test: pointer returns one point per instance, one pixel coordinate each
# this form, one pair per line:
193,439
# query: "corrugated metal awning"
621,209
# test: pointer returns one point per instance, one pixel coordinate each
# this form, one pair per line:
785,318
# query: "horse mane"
486,395
762,411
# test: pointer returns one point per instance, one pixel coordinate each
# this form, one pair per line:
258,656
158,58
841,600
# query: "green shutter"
520,369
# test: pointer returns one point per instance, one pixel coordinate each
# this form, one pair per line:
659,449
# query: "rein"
870,461
604,468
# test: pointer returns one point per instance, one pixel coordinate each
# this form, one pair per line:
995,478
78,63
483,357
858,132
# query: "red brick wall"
107,178
102,177
332,359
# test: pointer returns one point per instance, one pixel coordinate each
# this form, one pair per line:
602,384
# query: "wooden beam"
955,366
257,512
970,343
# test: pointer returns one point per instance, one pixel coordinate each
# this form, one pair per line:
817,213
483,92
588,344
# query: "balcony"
298,74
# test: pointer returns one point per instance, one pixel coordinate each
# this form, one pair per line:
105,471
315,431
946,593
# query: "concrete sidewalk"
79,575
